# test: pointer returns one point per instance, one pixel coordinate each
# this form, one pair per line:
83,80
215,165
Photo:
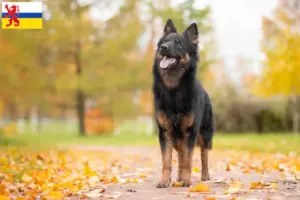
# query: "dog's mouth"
167,62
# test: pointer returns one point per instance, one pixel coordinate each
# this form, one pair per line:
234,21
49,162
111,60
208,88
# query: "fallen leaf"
273,186
227,168
94,181
234,188
196,170
26,178
256,185
200,188
177,184
2,197
114,179
53,195
210,198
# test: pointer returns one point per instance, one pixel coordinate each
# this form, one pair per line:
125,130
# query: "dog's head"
176,53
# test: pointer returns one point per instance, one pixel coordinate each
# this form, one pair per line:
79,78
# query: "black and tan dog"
182,107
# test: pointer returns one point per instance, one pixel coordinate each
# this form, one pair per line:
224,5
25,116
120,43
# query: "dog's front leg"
185,149
166,146
166,153
184,163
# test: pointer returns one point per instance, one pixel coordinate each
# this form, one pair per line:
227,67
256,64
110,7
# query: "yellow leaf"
105,180
196,170
274,185
234,188
227,168
26,178
137,180
88,171
200,188
177,184
2,188
53,195
114,179
256,185
210,198
2,197
297,166
94,181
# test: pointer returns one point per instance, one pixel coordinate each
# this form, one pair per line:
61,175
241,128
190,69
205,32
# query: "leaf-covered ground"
132,173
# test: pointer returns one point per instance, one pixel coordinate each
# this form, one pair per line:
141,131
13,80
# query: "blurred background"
88,71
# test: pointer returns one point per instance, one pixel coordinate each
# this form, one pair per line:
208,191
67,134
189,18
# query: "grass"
282,143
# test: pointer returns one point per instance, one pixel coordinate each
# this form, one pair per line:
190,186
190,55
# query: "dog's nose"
164,47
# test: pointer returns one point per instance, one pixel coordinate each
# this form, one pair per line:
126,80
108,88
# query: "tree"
280,45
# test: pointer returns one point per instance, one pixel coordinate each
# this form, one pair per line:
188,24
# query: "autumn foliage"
98,123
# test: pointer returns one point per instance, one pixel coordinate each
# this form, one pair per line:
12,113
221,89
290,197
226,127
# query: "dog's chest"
177,104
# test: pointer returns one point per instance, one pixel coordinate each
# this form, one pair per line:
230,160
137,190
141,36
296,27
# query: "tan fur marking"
184,155
158,56
187,122
204,159
195,40
167,154
185,59
204,162
184,162
163,120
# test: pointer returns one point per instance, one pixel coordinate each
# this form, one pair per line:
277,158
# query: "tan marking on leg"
184,154
178,147
204,160
167,153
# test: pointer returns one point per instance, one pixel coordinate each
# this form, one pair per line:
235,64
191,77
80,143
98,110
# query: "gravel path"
287,187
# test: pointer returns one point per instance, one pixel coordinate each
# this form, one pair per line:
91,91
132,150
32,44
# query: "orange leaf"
200,188
177,184
256,185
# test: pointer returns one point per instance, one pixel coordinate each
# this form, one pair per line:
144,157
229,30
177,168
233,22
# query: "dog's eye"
177,42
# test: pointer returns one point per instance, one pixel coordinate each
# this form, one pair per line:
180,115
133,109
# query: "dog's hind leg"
166,146
205,140
204,159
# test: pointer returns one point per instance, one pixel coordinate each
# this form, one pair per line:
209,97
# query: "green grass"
273,143
282,143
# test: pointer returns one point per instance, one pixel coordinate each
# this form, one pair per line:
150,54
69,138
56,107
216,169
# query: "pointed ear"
169,27
192,33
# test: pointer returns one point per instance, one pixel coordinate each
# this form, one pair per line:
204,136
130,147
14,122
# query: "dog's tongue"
166,62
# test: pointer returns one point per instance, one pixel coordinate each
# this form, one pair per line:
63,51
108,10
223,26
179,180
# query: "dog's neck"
172,82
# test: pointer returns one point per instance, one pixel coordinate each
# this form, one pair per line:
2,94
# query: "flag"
22,15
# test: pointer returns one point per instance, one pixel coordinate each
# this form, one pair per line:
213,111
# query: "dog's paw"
186,183
179,178
163,184
205,177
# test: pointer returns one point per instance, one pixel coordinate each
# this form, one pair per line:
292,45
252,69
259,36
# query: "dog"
183,109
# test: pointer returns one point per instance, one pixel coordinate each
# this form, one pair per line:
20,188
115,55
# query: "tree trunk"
80,97
81,111
295,115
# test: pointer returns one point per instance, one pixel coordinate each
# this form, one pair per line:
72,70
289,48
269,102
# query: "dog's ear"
192,34
169,27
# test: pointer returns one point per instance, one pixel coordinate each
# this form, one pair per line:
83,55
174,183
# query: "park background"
76,107
88,72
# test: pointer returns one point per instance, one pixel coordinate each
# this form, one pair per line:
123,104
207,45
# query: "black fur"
185,93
